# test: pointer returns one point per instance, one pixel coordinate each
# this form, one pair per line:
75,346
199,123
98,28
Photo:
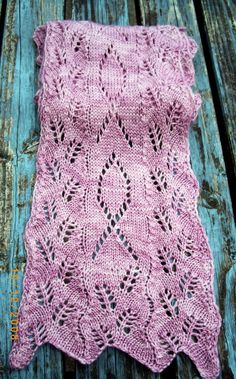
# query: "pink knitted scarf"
116,252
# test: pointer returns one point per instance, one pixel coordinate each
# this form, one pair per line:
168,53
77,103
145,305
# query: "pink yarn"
116,252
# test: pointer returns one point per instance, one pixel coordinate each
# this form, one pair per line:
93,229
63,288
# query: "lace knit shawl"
116,252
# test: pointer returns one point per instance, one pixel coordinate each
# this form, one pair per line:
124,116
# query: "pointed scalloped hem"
155,369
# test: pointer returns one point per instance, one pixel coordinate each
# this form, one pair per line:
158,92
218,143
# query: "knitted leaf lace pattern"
116,252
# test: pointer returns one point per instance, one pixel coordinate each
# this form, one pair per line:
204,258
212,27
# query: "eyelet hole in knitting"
98,339
66,229
156,137
109,58
188,284
193,328
78,42
172,162
159,179
112,215
163,219
167,260
44,293
31,338
73,150
123,130
103,337
178,201
185,245
41,250
66,271
48,252
70,190
170,343
169,303
105,296
62,312
174,117
126,320
53,170
129,280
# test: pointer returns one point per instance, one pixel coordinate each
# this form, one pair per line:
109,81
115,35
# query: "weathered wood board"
20,132
220,30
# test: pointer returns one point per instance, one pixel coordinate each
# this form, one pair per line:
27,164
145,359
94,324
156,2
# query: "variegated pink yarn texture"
116,252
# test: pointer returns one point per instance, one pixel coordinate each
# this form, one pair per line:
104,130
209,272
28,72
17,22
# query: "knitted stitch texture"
116,252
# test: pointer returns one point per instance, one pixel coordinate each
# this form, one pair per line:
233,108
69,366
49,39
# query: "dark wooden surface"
212,146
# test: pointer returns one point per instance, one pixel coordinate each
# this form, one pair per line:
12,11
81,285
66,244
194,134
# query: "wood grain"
20,130
220,28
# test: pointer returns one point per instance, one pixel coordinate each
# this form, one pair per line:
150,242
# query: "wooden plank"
18,170
1,10
19,130
214,203
219,27
120,12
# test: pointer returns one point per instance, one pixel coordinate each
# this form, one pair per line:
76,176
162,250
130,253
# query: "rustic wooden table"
213,157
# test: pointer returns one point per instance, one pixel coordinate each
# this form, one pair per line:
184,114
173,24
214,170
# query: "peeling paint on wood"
20,133
218,18
19,139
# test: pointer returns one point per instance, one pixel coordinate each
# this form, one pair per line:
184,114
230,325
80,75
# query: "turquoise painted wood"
219,23
20,132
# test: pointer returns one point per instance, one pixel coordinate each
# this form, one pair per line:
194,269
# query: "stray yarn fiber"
116,252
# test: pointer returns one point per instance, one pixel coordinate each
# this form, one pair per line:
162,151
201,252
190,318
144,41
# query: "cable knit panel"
116,252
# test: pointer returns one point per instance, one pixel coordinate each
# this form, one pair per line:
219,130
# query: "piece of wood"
1,8
214,203
19,130
220,29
